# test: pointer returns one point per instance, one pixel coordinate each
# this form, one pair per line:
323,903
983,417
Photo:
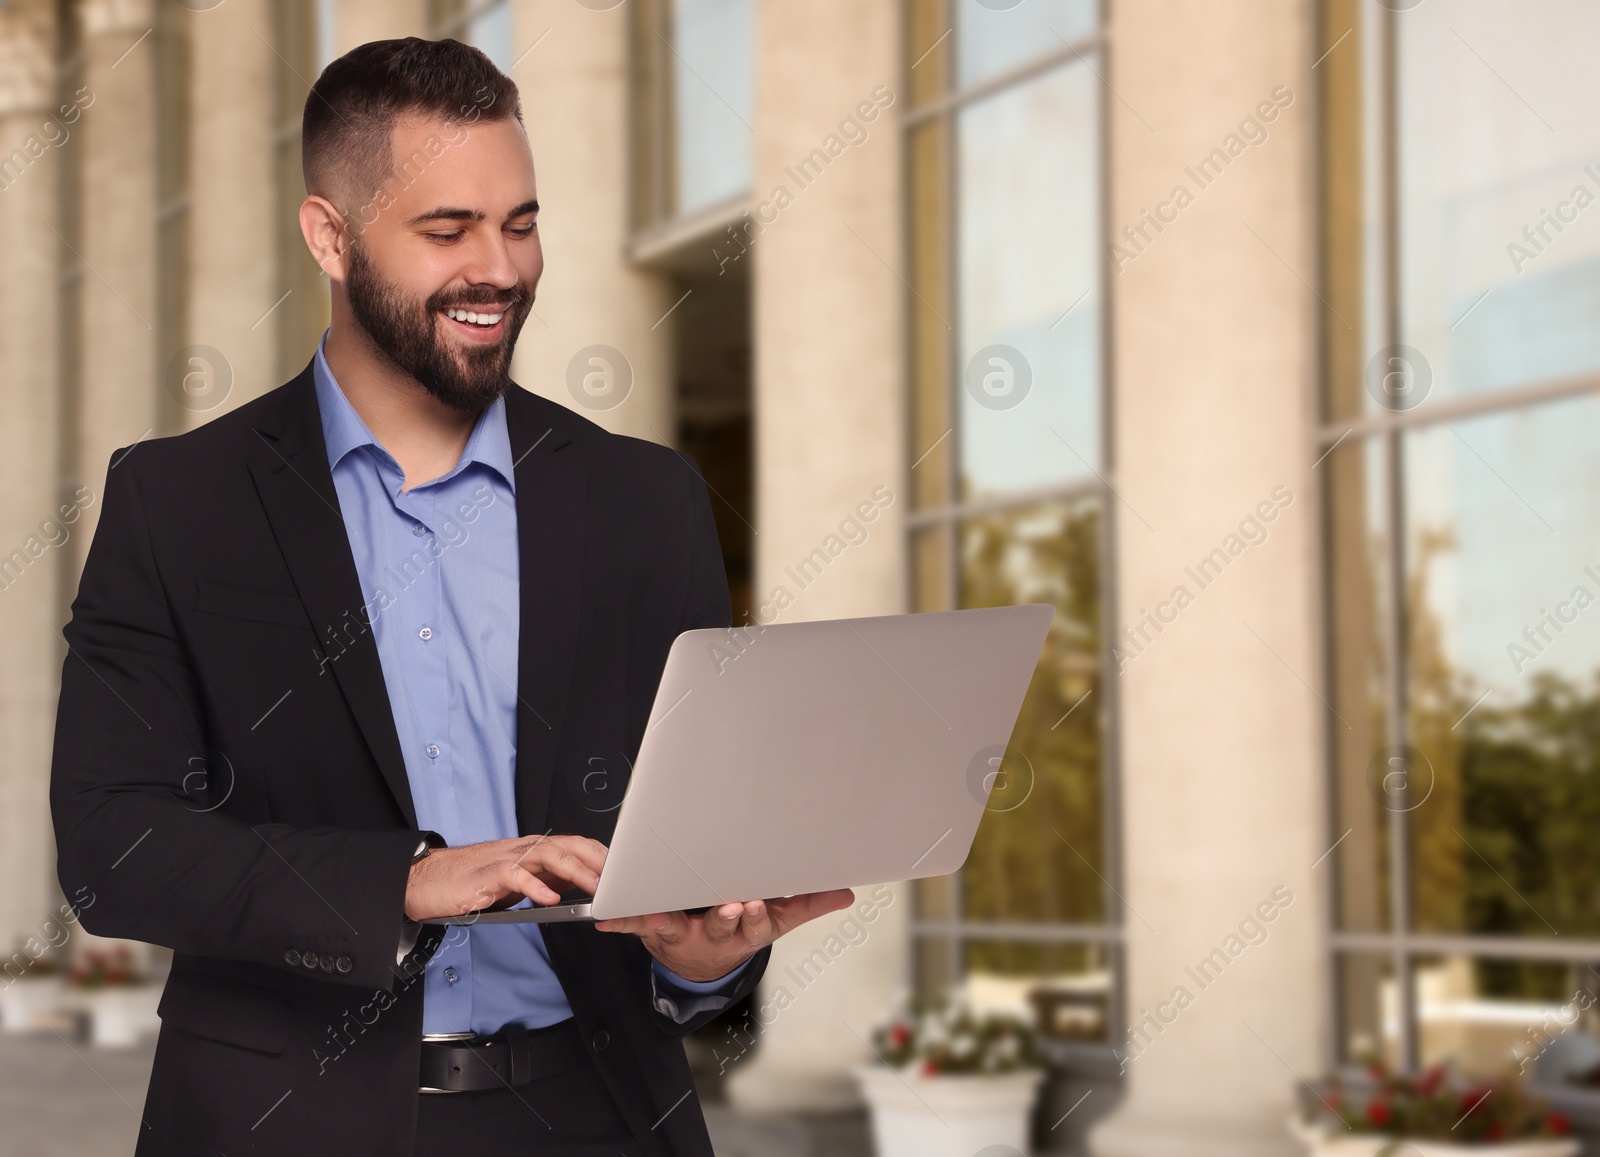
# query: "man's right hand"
455,881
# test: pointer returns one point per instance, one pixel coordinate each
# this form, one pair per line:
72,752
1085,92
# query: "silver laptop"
803,757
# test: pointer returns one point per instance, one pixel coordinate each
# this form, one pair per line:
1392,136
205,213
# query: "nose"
490,263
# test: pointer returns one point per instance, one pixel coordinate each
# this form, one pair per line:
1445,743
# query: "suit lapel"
289,462
552,492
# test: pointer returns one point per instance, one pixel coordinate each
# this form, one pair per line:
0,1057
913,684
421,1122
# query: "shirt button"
433,751
425,634
601,1040
343,964
291,958
451,976
419,530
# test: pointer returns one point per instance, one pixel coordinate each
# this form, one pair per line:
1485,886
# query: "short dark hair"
348,125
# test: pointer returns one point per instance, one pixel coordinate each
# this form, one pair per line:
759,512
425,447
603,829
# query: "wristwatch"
407,955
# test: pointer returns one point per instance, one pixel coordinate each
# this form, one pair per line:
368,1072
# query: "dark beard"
408,335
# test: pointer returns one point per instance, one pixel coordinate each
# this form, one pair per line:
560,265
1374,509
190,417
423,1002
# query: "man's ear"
323,228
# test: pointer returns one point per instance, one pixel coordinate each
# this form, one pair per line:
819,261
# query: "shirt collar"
344,431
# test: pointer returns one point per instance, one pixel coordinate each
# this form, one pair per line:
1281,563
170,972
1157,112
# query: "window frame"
1378,289
951,510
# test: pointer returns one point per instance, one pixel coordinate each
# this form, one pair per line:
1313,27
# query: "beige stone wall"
30,522
1222,738
573,80
117,385
233,282
830,421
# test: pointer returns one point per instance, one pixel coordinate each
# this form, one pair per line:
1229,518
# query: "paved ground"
60,1098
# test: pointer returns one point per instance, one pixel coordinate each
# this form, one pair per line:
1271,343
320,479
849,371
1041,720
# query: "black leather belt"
511,1057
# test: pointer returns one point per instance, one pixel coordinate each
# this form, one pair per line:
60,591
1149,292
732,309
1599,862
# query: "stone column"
597,316
359,21
232,277
32,135
1222,732
830,421
116,249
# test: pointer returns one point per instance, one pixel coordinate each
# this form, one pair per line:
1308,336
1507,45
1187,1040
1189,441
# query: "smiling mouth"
471,317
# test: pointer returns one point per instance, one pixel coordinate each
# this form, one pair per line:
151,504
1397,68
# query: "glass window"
1463,532
1499,193
995,36
1027,196
713,99
1006,446
485,26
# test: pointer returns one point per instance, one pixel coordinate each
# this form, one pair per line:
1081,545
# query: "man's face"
446,257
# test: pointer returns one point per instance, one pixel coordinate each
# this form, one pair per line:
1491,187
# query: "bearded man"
351,657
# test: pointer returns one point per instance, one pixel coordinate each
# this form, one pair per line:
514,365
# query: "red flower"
930,1067
1378,1114
1430,1080
1495,1131
899,1036
1558,1124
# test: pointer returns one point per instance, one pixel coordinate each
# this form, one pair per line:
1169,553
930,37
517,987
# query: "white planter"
25,1002
118,1015
1321,1141
947,1116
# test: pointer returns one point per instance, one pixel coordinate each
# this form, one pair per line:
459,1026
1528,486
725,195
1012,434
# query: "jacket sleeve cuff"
682,1000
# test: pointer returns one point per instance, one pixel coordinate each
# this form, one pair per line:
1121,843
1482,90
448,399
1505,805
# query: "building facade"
1257,337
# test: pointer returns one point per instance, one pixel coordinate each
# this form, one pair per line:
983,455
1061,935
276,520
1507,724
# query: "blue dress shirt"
438,570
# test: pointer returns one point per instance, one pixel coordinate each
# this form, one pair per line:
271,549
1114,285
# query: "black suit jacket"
227,778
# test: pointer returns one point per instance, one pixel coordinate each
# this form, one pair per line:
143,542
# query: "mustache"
515,298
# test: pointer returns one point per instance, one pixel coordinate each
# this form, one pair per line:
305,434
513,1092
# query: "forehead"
486,165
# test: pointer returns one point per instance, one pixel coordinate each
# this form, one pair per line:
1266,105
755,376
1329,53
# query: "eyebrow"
448,213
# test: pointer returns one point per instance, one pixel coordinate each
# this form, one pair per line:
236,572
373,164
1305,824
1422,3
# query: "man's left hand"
709,946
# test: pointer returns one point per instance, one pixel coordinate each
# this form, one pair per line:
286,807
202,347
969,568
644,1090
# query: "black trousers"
569,1114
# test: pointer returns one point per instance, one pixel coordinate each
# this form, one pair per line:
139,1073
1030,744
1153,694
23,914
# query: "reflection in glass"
1038,858
713,45
1356,529
994,36
1499,225
1503,640
1486,1016
1028,221
1367,1017
1064,989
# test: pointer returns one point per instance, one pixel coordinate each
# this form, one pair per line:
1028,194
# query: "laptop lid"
801,757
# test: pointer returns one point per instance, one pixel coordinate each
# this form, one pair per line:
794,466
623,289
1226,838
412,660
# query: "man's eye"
454,235
521,230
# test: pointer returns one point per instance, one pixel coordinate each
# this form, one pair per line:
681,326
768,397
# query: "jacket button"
327,963
601,1040
291,958
343,964
309,959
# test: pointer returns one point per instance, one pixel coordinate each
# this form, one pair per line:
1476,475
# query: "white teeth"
467,315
